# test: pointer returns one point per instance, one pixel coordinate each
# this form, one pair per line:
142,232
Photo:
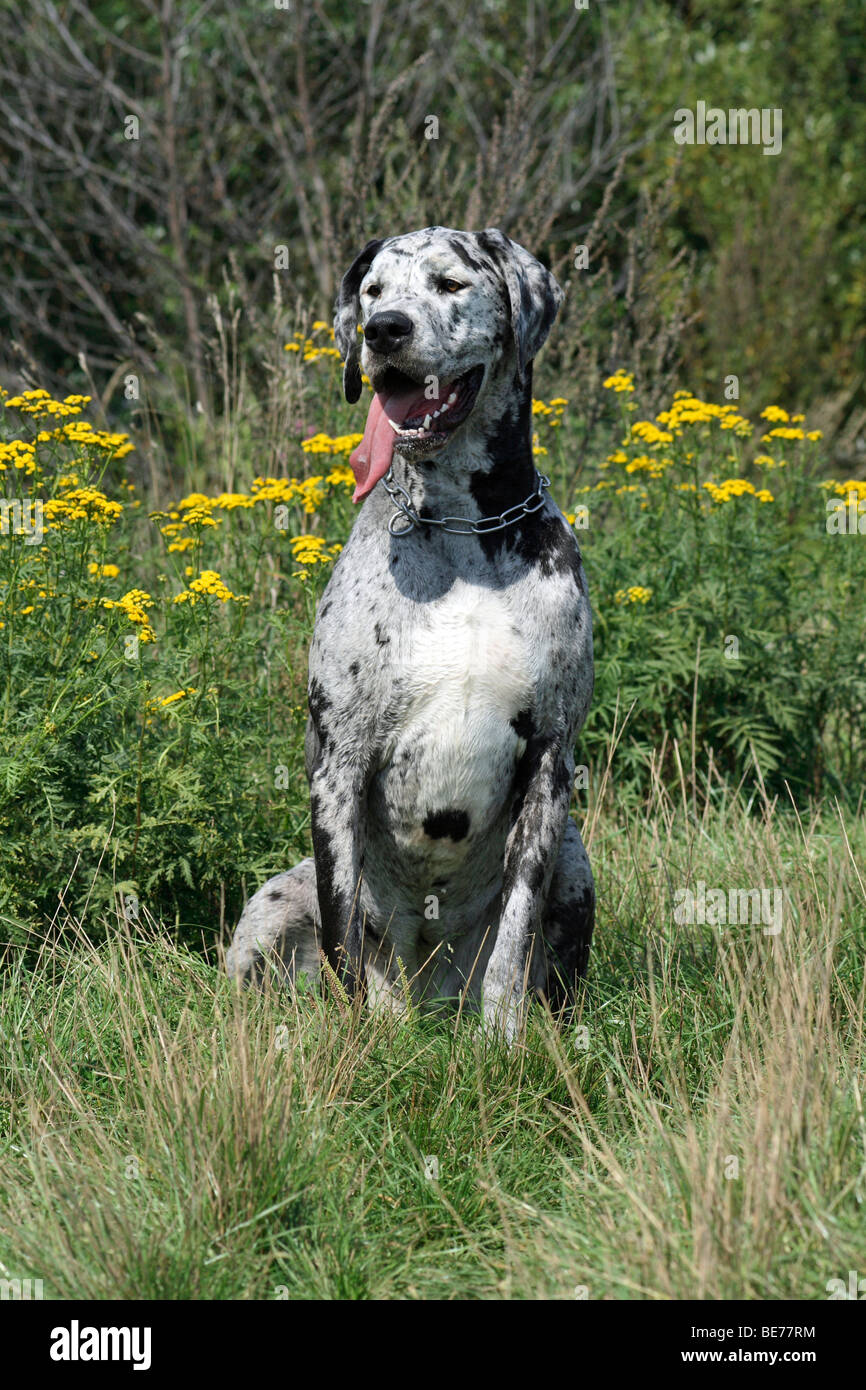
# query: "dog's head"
444,315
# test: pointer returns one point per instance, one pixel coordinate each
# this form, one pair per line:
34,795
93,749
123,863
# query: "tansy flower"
736,487
210,585
310,550
650,433
620,381
636,594
785,432
134,605
324,444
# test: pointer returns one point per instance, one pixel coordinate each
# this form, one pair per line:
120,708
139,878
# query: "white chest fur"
465,672
465,657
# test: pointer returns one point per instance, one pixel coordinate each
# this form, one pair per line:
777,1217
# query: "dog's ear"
533,294
346,314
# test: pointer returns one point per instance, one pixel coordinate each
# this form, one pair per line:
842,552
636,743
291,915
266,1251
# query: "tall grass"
698,1132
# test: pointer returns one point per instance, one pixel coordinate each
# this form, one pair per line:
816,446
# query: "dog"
451,663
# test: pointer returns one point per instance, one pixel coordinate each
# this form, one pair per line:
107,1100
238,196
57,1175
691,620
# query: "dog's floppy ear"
533,293
346,313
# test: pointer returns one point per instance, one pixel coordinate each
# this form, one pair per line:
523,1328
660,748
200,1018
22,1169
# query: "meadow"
697,1131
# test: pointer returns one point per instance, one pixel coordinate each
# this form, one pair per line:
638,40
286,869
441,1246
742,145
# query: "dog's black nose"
388,330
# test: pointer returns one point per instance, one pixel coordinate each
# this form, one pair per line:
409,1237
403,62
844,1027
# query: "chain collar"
484,526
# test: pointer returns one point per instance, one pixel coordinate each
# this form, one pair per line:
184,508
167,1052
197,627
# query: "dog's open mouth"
402,415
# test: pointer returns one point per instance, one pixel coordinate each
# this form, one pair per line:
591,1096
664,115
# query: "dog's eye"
452,286
373,291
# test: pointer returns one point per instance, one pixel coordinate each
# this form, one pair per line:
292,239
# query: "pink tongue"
371,460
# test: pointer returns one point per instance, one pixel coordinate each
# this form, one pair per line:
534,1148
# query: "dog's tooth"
426,424
452,398
394,427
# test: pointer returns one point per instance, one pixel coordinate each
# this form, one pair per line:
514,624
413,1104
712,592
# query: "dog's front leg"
337,799
530,858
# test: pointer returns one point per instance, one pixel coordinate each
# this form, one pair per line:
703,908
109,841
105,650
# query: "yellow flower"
134,605
208,584
81,504
736,487
178,695
620,381
785,432
310,550
324,444
342,474
636,594
230,501
650,433
855,485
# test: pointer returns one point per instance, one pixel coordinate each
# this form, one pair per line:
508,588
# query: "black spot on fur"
319,705
355,668
381,639
552,547
460,250
527,765
522,724
451,825
511,478
535,875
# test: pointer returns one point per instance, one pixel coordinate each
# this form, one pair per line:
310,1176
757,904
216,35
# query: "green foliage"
154,668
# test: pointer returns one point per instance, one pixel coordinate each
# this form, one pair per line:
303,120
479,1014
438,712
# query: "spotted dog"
451,663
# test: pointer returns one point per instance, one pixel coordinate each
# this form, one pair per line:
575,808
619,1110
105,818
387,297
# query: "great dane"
451,662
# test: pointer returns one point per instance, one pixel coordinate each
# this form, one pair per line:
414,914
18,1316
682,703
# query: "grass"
697,1132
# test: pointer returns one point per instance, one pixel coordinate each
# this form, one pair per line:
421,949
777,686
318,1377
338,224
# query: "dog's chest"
463,677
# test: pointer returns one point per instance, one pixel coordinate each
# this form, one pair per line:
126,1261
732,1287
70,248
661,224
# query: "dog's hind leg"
569,920
279,933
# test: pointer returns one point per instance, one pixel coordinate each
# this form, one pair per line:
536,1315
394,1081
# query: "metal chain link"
484,526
